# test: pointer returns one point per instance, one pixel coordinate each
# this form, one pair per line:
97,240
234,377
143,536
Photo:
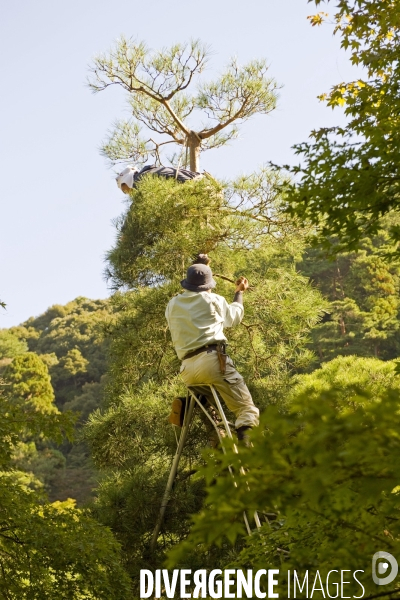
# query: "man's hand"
241,284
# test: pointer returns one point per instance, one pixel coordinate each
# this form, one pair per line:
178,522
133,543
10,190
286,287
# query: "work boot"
242,436
177,412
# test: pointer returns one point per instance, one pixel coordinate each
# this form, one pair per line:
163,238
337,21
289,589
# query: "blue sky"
58,196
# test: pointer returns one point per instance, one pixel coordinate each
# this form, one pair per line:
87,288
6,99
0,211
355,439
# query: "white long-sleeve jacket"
196,319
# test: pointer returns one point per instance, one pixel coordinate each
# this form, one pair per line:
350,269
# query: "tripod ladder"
191,402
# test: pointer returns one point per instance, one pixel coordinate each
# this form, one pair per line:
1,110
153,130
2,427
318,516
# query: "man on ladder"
196,319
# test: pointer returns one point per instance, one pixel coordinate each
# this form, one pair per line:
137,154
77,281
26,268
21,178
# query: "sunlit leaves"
317,19
327,471
349,176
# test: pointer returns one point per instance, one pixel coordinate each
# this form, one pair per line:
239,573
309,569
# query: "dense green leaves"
349,176
20,421
324,469
244,231
29,382
55,551
326,472
47,550
70,341
364,293
10,345
242,226
165,224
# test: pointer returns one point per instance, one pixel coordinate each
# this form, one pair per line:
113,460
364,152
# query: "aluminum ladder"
191,401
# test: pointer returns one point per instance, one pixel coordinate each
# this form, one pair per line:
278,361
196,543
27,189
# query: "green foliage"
66,553
70,341
251,236
71,369
159,86
29,406
325,462
10,345
326,472
74,334
21,421
47,550
88,400
349,175
242,226
44,464
364,291
166,223
348,376
151,243
29,382
133,445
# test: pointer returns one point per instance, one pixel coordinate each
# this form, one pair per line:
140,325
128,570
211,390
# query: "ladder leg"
221,412
242,471
208,416
229,434
225,423
246,522
172,474
192,401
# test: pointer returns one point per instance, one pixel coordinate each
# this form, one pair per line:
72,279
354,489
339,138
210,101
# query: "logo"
380,565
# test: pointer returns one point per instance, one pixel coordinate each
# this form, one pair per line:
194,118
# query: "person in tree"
129,177
196,319
126,179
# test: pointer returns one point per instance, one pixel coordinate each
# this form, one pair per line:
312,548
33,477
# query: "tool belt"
220,348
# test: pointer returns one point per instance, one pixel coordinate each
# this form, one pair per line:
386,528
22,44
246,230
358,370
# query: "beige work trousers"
204,368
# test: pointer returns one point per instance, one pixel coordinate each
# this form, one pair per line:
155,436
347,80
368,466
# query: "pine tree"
161,97
364,291
242,227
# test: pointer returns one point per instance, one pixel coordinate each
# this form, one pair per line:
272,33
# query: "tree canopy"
325,475
348,177
10,345
46,550
161,97
323,472
70,341
244,230
363,289
30,383
313,470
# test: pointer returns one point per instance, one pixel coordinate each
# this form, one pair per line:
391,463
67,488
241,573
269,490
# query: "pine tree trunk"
194,143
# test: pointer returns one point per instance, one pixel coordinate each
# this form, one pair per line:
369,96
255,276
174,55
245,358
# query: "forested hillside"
71,343
49,549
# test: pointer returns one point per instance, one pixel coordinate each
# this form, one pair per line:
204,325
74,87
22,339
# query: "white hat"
126,176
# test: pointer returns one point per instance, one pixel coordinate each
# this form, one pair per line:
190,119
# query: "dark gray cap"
198,279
